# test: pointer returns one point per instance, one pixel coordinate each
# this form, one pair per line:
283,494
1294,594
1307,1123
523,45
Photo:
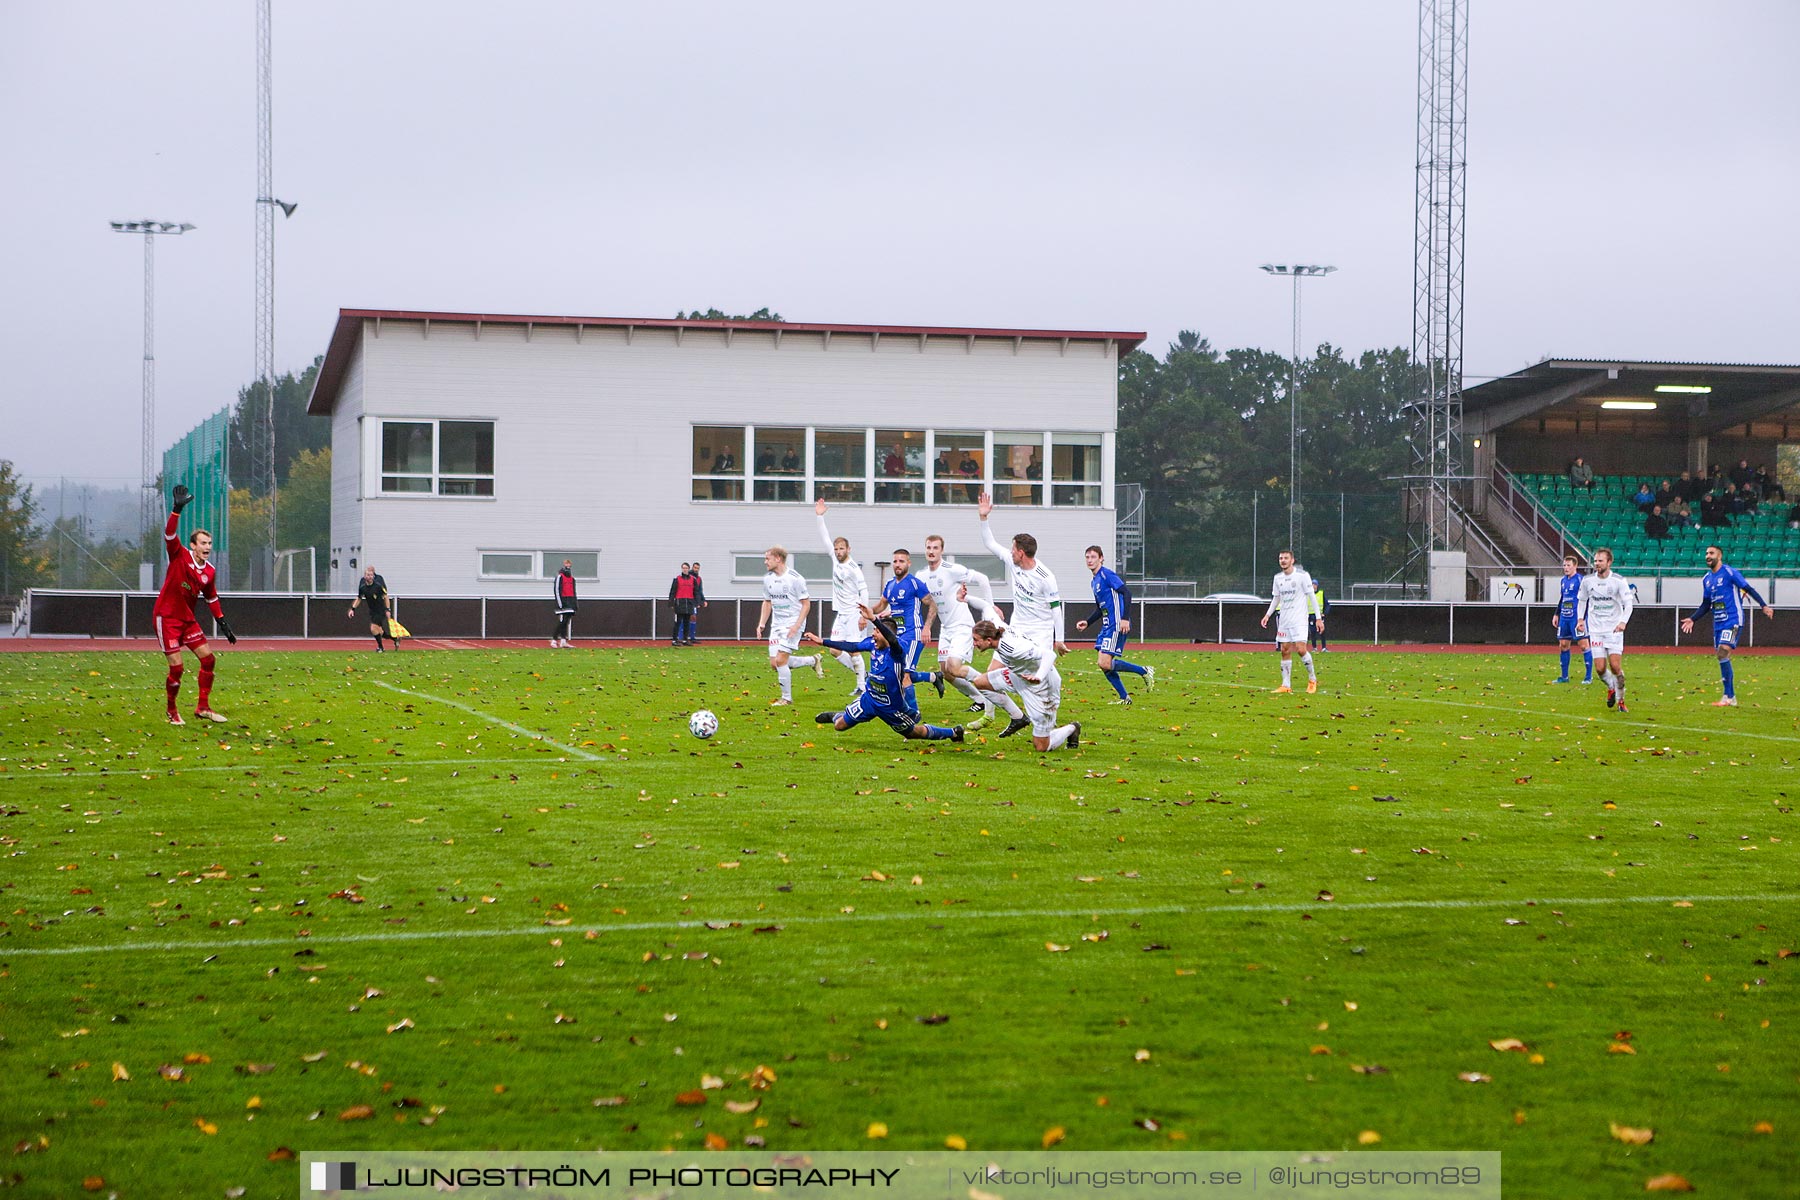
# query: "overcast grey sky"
1632,178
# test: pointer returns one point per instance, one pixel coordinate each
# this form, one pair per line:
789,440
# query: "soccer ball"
703,724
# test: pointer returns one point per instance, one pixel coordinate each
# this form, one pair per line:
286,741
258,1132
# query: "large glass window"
450,458
1075,469
718,466
956,473
1018,468
507,564
900,466
840,465
406,456
585,564
780,463
465,458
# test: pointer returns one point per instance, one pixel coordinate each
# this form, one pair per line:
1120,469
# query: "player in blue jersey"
1112,608
1567,617
885,695
902,598
1719,595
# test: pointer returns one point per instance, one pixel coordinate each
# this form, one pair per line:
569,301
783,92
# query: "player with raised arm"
1606,604
1719,593
1037,604
373,590
191,577
1028,670
950,584
1294,598
1112,608
784,608
901,598
849,594
1567,615
884,693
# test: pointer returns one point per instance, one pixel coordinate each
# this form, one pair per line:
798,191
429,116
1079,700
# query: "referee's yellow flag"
397,629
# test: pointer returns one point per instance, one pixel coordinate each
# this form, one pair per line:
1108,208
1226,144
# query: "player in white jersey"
950,585
784,608
849,592
1293,600
1023,666
1037,605
1605,606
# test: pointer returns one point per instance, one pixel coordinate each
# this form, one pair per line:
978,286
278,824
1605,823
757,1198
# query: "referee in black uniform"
374,590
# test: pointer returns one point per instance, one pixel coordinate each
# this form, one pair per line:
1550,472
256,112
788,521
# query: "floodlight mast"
260,425
149,501
1296,522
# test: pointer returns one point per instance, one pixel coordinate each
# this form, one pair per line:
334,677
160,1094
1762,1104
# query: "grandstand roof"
1740,393
350,320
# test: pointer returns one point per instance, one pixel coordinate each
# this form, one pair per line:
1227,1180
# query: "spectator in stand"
1665,493
1712,513
1715,478
1689,488
1580,474
1794,517
1742,474
970,470
1768,485
1680,516
1748,499
1656,526
724,463
1644,499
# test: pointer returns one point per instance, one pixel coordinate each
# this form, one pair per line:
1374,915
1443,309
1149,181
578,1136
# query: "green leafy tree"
304,518
22,562
713,314
295,431
249,513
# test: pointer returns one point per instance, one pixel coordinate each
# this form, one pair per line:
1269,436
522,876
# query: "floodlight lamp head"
287,210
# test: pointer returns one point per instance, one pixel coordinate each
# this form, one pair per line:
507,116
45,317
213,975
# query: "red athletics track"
363,645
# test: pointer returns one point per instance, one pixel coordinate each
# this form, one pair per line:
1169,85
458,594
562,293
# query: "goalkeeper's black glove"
225,628
183,497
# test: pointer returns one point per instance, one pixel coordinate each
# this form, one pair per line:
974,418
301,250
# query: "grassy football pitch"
457,900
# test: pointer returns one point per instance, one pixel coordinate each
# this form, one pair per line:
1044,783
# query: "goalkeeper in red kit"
190,578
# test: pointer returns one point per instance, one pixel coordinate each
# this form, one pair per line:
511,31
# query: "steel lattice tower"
1437,346
259,422
149,499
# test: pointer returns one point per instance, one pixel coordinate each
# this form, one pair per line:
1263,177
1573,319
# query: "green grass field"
361,917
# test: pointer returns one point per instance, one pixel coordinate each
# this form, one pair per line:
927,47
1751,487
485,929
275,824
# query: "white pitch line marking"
10,952
1358,698
166,771
489,717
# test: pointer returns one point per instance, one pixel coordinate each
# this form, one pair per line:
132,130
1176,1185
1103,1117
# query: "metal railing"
1529,511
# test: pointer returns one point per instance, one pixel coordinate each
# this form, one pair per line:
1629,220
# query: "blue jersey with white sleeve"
903,597
884,696
1111,597
1719,594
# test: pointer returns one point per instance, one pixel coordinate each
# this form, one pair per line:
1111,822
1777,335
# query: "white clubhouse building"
472,453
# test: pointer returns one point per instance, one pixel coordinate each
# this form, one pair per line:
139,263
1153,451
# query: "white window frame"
373,475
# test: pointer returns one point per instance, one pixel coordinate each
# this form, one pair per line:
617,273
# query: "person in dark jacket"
1656,526
684,591
563,589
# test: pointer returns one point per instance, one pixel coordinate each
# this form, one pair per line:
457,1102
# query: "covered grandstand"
1636,423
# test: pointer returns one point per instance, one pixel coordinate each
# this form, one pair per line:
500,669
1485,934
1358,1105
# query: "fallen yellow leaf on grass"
205,1126
1368,1137
356,1112
1320,1050
1667,1183
120,1073
877,1129
1053,1135
1475,1077
1142,1056
1620,1048
740,1107
1053,948
715,1142
956,1142
1509,1044
1762,1127
93,1183
1630,1136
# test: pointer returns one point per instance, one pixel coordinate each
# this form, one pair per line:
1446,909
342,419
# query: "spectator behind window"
1580,474
1768,485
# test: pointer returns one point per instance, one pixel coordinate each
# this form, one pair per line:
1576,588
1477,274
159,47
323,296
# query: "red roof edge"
349,325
